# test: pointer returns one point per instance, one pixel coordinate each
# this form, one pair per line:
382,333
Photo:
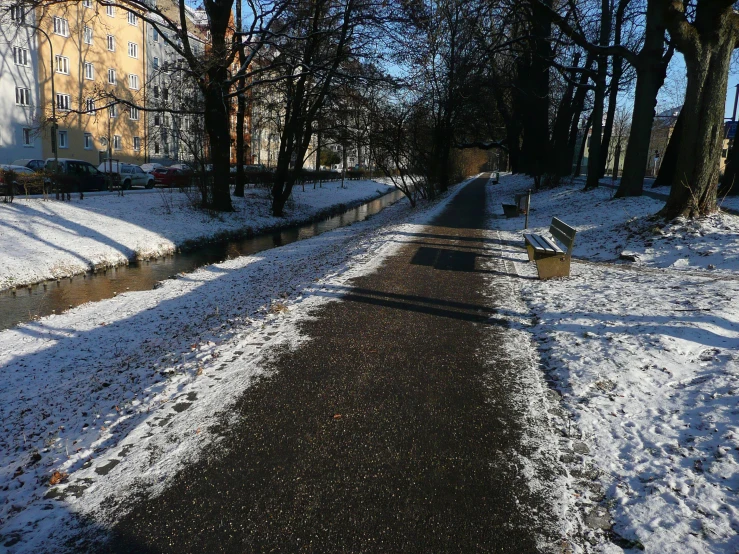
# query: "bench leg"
530,252
553,266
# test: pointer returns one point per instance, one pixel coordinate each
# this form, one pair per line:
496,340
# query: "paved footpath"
382,434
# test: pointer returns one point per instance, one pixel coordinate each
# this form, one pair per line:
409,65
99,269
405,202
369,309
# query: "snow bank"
51,239
646,358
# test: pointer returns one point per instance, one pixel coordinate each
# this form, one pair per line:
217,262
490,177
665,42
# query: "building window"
89,71
111,43
155,34
90,105
27,138
156,148
110,10
133,50
88,35
62,139
117,142
88,141
62,64
20,56
61,26
111,76
87,3
165,94
157,120
133,81
134,113
137,143
156,91
62,101
132,19
113,110
17,13
155,62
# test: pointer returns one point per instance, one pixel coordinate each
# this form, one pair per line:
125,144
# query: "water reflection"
56,296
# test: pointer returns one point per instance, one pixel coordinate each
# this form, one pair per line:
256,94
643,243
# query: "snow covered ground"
641,359
112,398
51,239
645,355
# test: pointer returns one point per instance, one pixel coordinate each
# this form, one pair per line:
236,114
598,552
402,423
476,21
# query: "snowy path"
410,420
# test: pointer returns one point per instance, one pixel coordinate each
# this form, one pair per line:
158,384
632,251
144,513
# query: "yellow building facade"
91,54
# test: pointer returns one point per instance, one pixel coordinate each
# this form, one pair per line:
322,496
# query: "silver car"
131,175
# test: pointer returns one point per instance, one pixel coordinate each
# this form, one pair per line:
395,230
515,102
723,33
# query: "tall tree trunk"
707,46
216,104
534,98
651,68
617,71
240,110
216,123
560,129
669,161
581,152
594,153
578,104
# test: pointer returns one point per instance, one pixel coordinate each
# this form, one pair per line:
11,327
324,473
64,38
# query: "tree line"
415,83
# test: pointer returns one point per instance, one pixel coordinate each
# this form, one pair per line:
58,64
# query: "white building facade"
171,137
19,88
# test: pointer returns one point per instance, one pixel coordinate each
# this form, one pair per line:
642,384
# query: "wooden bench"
520,207
551,260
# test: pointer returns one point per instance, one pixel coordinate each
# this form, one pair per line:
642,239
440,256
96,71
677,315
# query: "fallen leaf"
57,477
337,416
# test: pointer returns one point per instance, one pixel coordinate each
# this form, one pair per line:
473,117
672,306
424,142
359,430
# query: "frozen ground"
52,239
645,356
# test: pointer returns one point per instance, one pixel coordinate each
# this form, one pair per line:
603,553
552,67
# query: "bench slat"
542,244
552,245
537,242
562,237
563,228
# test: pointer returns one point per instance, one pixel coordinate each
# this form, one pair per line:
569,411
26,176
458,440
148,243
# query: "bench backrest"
563,233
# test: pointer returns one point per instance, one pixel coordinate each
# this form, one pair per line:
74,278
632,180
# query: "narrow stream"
50,297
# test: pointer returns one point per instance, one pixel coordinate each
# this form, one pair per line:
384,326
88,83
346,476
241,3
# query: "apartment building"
19,91
92,56
172,136
95,71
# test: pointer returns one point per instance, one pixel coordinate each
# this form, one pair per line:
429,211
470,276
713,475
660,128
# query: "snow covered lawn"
646,358
42,240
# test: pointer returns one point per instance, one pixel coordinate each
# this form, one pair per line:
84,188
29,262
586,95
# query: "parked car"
172,177
75,175
15,188
130,175
35,165
149,167
185,167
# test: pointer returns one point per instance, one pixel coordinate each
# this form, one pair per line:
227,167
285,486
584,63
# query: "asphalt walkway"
386,432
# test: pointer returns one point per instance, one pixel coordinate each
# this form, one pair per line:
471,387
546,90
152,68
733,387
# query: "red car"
171,177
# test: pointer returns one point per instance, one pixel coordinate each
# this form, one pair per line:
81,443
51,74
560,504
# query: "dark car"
75,175
35,165
20,180
171,177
